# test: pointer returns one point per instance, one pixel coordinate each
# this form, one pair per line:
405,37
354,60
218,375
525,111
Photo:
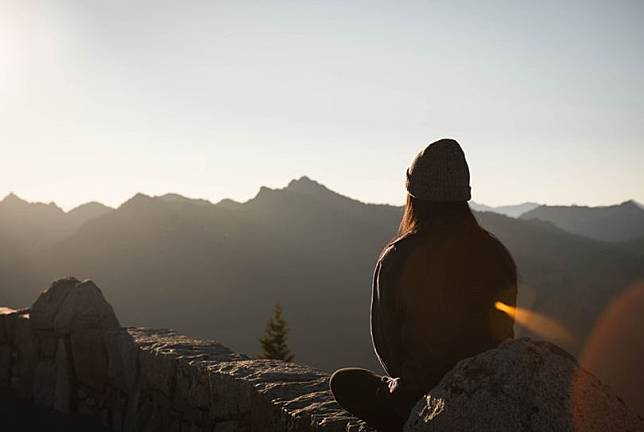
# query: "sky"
100,100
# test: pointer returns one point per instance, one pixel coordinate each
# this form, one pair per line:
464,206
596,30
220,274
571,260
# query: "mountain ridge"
616,223
306,185
281,239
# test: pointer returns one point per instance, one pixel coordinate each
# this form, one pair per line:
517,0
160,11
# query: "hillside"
635,245
216,269
614,223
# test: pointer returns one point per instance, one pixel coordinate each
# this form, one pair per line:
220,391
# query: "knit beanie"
439,173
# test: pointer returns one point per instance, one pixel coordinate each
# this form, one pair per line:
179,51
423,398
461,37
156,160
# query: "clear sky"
212,99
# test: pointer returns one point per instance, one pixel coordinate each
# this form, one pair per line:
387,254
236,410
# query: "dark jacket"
433,303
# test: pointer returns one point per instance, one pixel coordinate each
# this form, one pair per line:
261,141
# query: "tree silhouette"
273,342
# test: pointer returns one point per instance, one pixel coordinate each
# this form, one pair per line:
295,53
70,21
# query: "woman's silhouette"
435,286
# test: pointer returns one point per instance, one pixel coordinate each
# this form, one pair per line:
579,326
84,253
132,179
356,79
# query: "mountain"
35,223
613,223
85,212
514,211
216,270
172,197
635,245
26,229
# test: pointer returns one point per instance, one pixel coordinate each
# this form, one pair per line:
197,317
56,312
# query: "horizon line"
301,178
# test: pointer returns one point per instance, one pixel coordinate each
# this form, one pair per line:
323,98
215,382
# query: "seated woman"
435,286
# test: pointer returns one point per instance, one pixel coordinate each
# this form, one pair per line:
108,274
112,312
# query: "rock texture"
70,354
522,385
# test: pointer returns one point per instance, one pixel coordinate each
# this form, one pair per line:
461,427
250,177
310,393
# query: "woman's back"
434,293
448,286
434,301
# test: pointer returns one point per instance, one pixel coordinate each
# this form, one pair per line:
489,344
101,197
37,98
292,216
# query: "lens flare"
536,323
615,351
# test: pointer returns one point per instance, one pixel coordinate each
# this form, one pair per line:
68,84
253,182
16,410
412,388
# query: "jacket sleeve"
502,324
386,317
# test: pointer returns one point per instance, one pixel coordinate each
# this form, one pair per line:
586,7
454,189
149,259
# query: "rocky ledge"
69,353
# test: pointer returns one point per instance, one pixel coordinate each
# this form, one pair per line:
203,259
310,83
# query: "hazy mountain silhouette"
514,210
613,223
26,231
215,270
85,212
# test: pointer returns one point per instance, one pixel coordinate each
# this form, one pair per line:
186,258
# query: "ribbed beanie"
440,173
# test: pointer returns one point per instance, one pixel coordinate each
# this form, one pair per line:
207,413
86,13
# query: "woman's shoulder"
497,253
400,248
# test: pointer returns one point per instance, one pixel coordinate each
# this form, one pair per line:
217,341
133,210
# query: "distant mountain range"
215,270
514,211
621,222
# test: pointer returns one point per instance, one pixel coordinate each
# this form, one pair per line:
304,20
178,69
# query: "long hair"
448,220
421,216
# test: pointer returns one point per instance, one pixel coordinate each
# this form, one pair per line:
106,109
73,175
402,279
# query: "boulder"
47,305
521,385
84,308
64,379
89,358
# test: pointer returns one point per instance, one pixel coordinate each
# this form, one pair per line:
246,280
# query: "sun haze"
100,100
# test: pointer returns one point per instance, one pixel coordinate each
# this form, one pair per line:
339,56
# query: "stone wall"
68,352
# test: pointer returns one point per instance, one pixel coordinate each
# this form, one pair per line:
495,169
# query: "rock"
44,310
85,308
26,356
44,383
192,389
5,365
47,344
79,361
89,358
117,411
4,317
122,359
521,385
159,369
228,426
8,320
64,380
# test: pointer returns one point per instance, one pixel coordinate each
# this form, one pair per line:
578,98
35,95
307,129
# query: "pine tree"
273,342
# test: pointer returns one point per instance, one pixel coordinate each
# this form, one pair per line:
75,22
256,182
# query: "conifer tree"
273,342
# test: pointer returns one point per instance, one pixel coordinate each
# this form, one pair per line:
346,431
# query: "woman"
435,287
